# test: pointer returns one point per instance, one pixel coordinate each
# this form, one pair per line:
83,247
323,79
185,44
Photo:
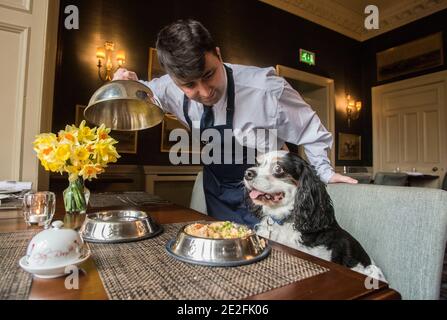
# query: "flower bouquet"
81,152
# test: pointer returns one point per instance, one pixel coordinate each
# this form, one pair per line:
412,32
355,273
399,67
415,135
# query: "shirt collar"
222,101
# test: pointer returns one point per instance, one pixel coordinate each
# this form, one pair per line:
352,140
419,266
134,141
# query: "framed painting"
154,68
169,124
127,140
349,146
411,57
170,121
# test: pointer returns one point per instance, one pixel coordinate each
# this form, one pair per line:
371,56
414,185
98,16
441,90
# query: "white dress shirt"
262,101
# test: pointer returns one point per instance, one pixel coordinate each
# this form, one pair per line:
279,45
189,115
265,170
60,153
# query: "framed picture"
414,56
127,140
170,121
349,147
154,68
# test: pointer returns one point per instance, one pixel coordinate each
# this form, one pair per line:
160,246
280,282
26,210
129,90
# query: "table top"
338,283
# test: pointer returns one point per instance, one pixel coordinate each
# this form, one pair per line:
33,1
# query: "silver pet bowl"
217,252
124,105
118,226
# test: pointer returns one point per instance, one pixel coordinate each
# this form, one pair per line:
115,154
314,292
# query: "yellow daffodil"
73,172
63,152
44,141
85,134
103,132
90,171
56,166
105,152
67,137
81,152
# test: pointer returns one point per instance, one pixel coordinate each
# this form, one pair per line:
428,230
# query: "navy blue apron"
222,183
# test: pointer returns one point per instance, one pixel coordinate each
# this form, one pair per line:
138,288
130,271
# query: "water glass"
39,207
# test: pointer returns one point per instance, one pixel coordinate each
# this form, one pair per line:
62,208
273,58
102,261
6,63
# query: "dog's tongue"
255,193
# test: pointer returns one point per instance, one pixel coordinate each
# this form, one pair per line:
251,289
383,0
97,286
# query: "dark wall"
418,29
248,32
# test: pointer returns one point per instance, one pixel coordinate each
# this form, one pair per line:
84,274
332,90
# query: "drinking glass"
38,208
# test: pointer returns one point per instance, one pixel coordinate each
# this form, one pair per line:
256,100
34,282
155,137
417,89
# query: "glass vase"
76,197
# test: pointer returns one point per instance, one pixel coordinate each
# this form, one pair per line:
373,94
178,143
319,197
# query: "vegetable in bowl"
218,230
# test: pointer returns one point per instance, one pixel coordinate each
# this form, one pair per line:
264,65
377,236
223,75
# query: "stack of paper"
14,186
11,193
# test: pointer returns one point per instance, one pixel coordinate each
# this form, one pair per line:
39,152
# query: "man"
204,92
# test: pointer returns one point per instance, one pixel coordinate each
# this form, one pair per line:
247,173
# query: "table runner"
132,198
143,270
15,283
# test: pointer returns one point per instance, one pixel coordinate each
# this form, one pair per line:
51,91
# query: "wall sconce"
105,55
352,109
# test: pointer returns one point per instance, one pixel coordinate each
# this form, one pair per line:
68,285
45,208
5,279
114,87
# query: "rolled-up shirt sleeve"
297,123
164,92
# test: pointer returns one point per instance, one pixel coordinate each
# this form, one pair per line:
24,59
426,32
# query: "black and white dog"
295,209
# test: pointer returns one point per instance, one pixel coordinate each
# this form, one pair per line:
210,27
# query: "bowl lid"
124,105
54,245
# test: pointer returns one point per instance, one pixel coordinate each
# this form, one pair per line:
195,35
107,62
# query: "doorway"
318,92
409,126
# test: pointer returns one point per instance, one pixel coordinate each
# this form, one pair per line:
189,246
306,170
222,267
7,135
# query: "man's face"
209,88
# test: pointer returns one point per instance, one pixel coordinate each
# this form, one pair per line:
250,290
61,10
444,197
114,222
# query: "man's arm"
299,124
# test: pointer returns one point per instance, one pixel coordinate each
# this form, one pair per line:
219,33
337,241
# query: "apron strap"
230,97
185,111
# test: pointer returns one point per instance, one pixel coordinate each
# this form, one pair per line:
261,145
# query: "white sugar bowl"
51,250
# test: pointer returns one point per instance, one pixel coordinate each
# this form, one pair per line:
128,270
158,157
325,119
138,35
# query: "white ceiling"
347,16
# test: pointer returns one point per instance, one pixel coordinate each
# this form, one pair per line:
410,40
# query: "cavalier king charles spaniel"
295,209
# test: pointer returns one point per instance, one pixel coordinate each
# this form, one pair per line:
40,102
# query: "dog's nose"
250,174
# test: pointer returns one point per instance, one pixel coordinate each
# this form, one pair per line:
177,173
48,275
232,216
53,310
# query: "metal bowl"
118,226
124,105
217,252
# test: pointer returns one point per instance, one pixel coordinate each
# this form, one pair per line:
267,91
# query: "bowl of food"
221,244
115,226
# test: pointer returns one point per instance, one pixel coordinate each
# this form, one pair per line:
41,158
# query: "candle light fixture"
352,109
105,56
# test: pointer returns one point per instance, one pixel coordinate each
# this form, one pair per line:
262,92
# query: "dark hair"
181,48
313,206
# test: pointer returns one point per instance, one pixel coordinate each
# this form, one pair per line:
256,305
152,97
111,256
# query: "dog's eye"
277,169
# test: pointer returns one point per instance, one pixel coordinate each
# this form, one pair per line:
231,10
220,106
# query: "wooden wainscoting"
115,178
173,183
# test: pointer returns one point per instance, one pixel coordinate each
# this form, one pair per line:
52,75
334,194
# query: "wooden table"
337,283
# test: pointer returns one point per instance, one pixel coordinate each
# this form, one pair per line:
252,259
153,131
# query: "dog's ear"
253,208
313,208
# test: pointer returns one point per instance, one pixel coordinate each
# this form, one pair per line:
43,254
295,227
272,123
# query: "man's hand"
124,74
338,178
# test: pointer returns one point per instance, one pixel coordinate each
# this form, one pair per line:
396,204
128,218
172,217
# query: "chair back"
403,229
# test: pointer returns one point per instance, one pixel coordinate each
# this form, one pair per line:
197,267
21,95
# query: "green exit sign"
307,57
